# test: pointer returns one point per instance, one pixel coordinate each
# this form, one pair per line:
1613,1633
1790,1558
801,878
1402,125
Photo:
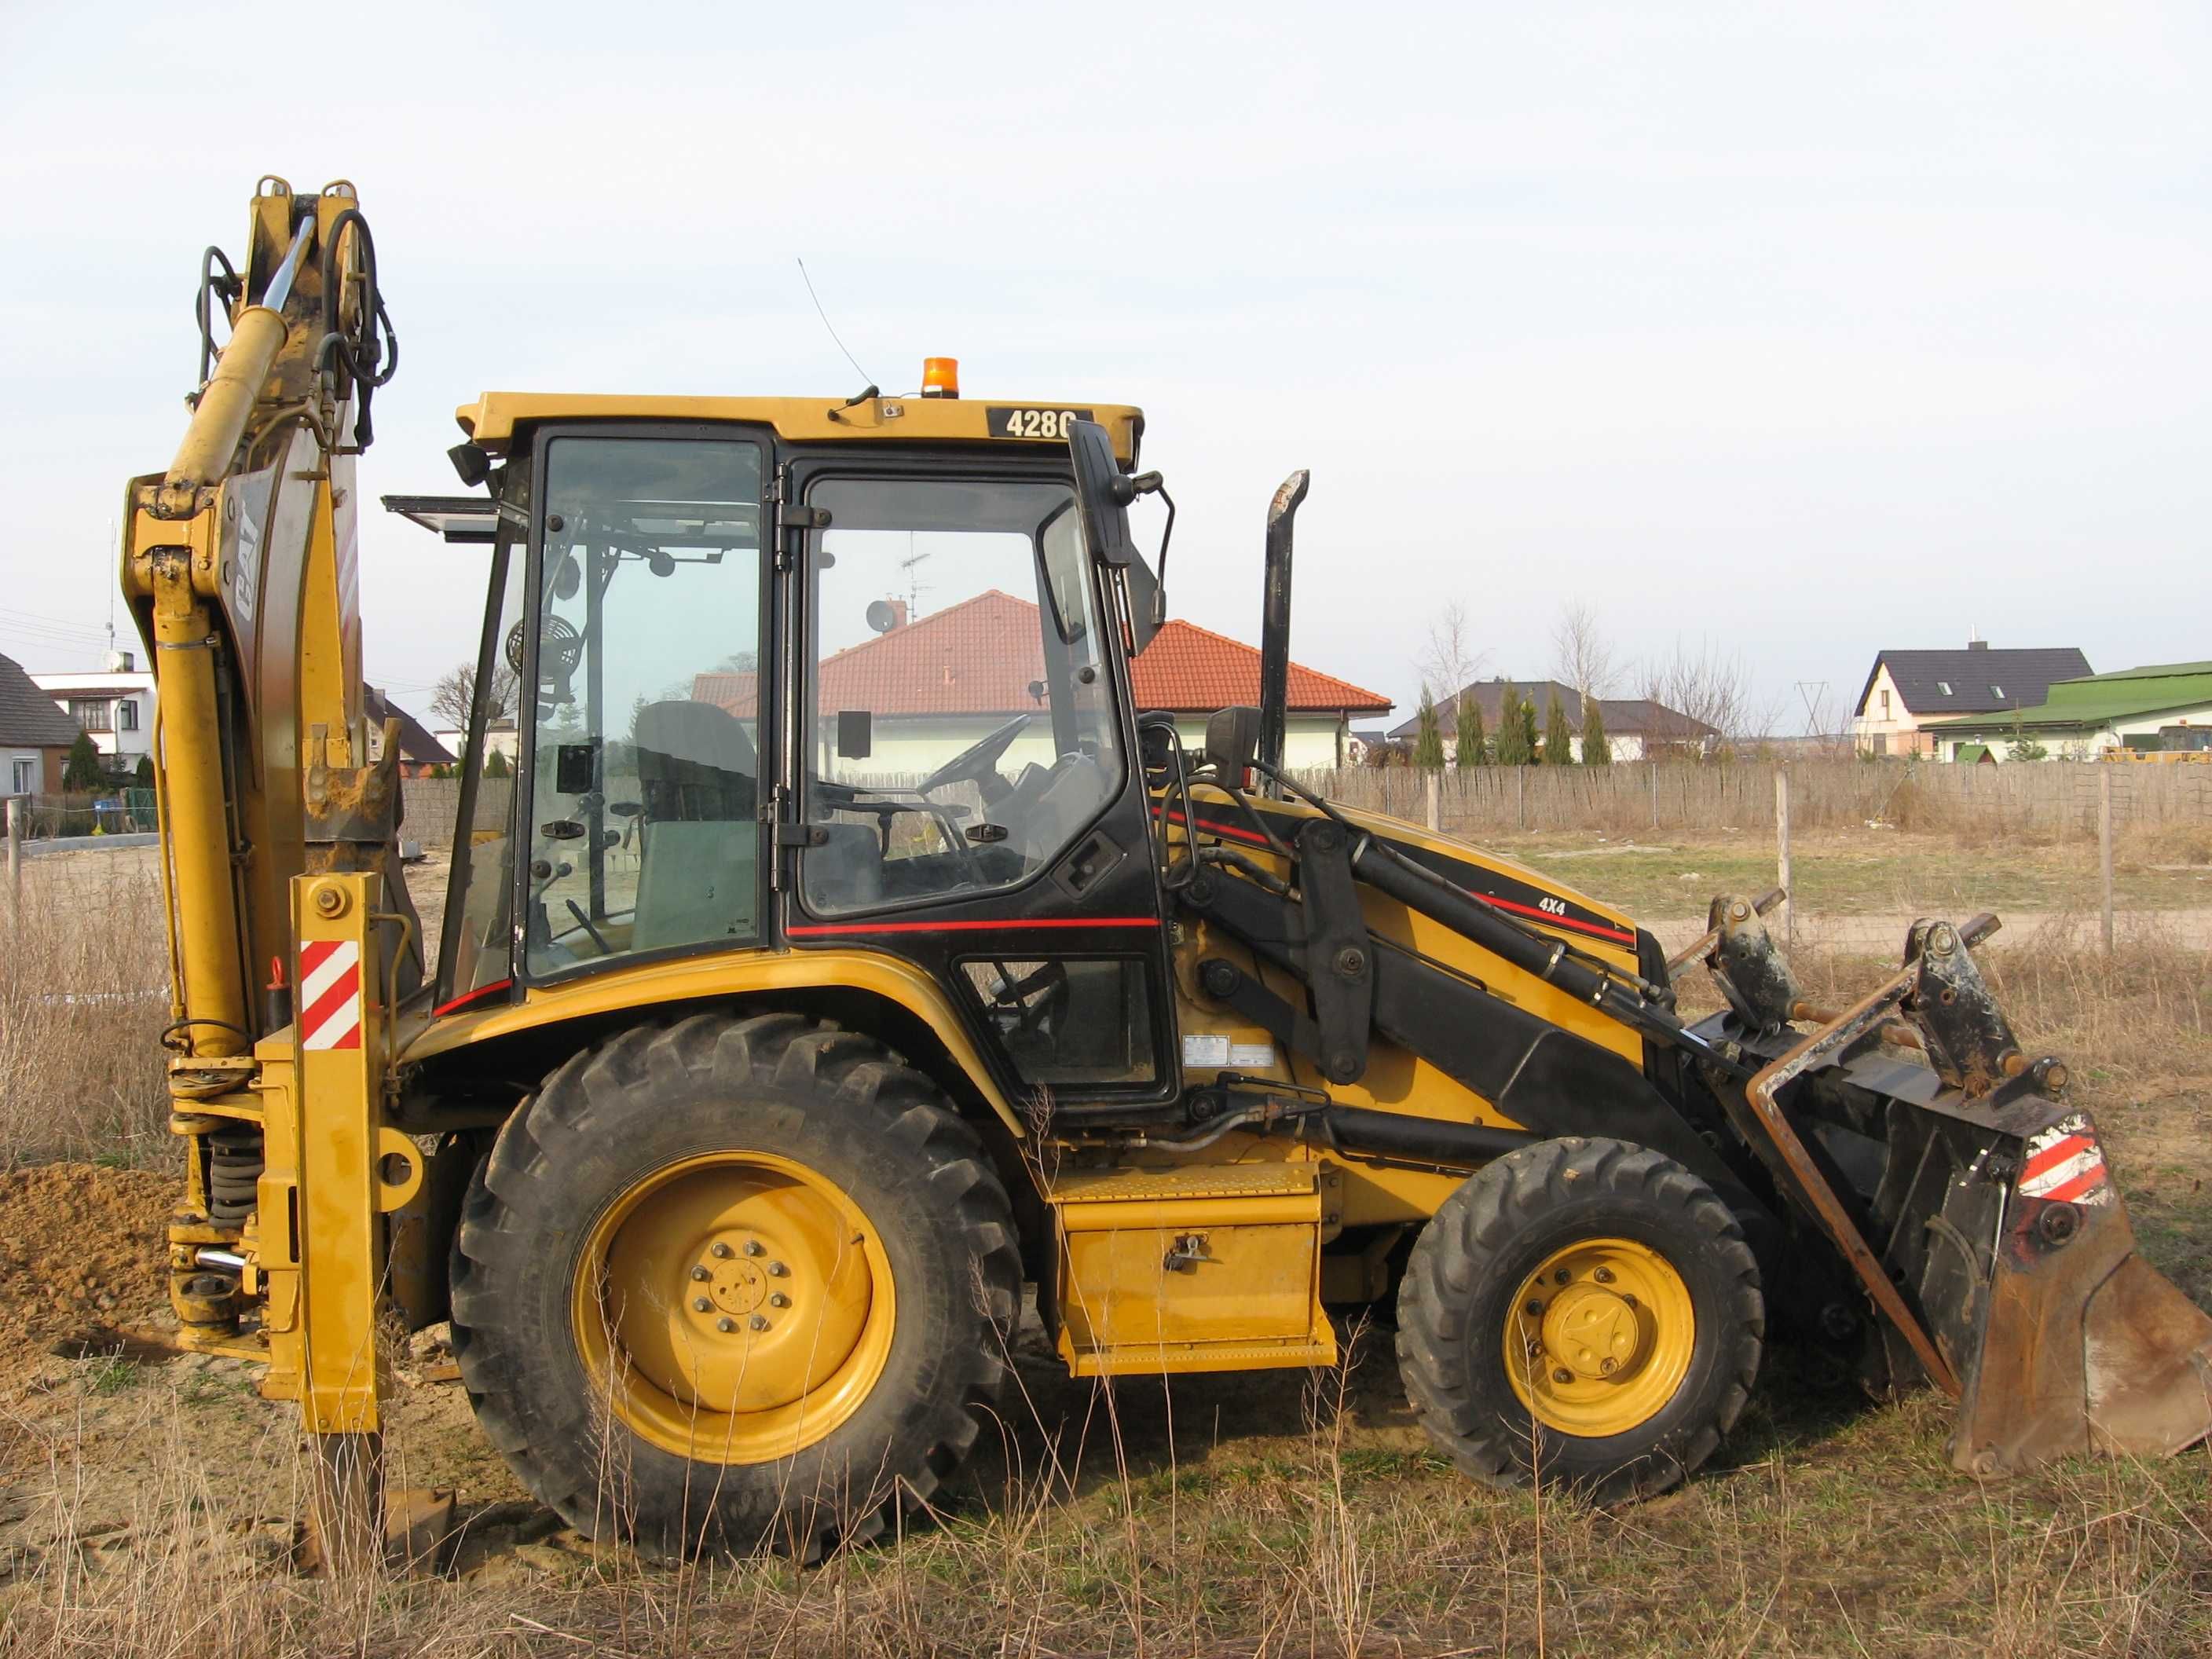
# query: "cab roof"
493,419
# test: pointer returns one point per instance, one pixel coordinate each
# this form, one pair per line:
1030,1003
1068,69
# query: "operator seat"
699,848
695,764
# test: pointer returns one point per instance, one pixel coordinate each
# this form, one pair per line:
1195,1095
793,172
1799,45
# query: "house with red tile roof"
933,685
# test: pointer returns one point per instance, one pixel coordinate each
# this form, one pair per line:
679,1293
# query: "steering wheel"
979,761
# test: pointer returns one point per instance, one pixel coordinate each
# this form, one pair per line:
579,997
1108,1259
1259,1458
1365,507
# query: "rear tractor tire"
735,1284
1583,1311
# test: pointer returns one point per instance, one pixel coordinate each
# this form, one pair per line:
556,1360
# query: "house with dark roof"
2161,709
1636,728
933,685
419,752
1906,690
35,736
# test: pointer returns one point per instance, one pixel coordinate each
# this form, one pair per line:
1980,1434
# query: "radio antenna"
826,323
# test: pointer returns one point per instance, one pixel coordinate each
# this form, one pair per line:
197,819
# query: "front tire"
734,1284
1584,1310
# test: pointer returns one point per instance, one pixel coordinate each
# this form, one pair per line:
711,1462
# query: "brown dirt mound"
80,1246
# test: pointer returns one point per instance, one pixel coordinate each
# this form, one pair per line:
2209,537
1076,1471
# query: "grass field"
1876,872
145,1506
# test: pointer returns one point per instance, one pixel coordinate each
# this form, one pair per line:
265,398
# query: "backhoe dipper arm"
279,861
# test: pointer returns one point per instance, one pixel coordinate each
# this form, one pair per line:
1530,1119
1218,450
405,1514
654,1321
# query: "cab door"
960,785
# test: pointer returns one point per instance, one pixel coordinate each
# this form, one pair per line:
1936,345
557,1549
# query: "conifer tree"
1596,750
1558,736
1429,746
1472,740
80,770
1513,747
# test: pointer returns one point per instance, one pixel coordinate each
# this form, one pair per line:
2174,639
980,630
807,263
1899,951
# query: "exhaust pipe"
1275,628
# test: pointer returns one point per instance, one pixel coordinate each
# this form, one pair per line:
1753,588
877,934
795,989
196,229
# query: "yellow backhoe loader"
847,950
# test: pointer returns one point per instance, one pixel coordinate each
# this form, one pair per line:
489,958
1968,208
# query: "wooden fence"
2052,797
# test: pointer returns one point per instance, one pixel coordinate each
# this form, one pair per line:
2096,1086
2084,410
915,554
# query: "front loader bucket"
1971,1203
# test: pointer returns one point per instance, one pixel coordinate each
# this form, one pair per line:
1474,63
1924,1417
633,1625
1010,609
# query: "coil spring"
234,1162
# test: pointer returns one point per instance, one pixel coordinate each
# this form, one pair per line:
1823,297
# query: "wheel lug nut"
700,1273
702,1304
1608,1367
1629,1299
777,1270
720,1248
1562,1277
1563,1375
759,1322
778,1300
725,1326
1603,1275
752,1247
1534,1310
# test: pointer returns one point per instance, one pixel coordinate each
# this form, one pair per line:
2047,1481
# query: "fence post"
16,858
1781,854
1432,790
1653,768
2104,847
1520,803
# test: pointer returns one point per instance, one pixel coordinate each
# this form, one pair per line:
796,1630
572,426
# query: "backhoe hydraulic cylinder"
225,404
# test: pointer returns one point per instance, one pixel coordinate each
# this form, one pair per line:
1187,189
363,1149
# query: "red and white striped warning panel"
330,994
2064,1164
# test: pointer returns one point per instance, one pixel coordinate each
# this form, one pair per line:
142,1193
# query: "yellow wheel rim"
1598,1337
733,1308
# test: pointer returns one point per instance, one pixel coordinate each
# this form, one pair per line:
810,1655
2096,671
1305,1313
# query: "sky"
1787,333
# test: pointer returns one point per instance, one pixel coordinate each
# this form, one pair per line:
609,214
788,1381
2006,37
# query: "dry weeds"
146,1509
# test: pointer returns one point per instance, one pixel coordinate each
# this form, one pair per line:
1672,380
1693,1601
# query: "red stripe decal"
2086,1181
830,928
1598,930
467,997
2055,1154
345,990
1213,828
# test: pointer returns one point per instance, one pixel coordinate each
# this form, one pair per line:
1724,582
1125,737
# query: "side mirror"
1232,739
1103,494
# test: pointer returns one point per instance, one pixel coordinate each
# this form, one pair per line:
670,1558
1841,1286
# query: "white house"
115,707
1906,690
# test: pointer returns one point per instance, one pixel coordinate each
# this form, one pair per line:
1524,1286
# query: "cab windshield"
959,730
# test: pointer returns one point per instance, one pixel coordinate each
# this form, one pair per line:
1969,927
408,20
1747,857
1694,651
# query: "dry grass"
83,996
1272,1513
1831,1533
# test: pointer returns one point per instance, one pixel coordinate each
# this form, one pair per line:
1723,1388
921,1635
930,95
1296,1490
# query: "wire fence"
2054,799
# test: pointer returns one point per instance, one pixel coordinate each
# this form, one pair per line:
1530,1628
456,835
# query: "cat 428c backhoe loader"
849,950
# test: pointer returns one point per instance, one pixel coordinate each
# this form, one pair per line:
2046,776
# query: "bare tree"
1582,656
1450,658
1712,688
453,699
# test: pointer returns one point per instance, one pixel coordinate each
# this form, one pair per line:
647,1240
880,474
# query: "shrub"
1473,745
1429,746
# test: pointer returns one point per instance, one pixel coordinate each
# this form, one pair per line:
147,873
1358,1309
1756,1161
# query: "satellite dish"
882,616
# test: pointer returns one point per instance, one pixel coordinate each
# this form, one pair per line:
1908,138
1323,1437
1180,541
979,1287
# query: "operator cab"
768,693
